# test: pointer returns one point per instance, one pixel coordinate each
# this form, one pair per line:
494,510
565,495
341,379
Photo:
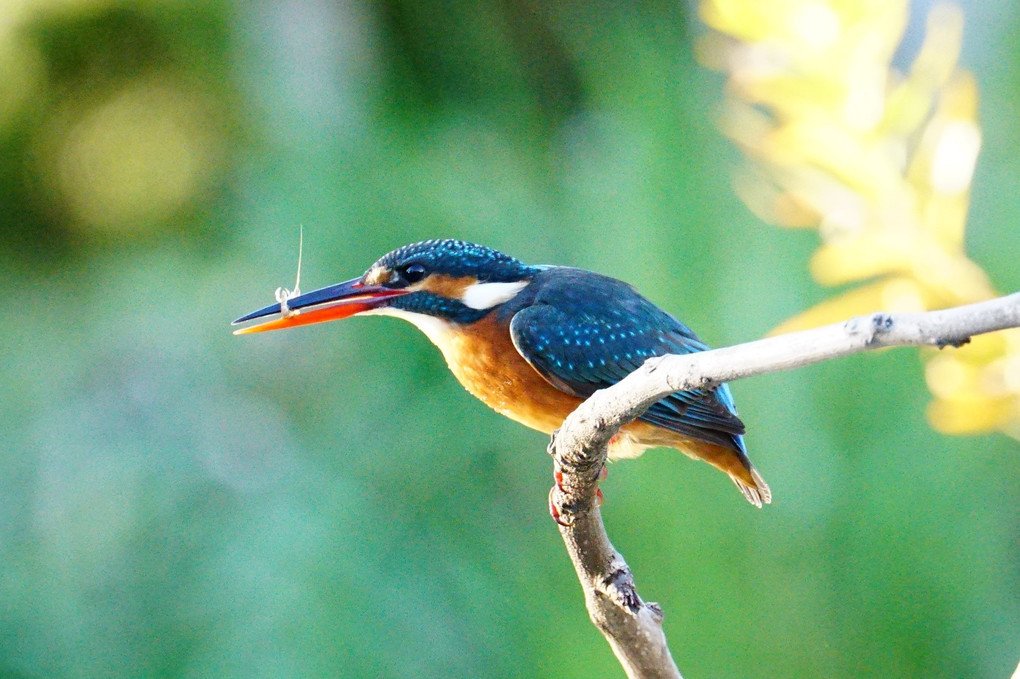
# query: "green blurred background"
179,502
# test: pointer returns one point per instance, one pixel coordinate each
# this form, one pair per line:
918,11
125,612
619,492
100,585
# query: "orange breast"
485,361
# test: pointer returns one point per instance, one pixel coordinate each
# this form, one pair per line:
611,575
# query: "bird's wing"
588,335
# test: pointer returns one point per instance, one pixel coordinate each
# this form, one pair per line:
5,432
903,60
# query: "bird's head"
448,281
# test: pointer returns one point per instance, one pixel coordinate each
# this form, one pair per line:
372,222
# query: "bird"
533,341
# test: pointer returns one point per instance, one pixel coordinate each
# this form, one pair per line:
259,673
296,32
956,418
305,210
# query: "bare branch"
633,627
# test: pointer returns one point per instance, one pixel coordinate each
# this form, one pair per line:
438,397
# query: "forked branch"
634,627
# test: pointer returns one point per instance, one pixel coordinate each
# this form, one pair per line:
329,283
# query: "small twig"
633,627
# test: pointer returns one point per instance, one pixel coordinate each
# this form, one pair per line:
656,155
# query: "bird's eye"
413,273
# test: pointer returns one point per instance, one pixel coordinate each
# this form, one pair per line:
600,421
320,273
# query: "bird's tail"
734,462
638,435
758,493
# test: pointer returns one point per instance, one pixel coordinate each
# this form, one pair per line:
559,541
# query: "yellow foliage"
880,162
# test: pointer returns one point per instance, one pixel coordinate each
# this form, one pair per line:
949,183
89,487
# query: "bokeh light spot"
955,156
816,24
135,158
902,294
946,376
21,70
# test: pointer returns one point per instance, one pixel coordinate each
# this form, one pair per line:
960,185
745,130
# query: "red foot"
555,513
558,478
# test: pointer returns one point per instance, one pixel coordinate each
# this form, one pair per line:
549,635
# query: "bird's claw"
558,477
563,513
554,511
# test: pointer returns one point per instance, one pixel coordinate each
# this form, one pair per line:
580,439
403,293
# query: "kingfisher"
532,342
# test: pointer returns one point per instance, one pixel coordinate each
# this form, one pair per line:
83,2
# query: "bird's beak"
325,304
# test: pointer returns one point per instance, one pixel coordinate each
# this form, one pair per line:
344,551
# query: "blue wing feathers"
584,332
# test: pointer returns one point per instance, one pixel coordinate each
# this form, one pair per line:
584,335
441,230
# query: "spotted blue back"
584,332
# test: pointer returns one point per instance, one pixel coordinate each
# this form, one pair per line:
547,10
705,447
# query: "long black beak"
325,304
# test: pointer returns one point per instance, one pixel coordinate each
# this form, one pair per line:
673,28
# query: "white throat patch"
436,329
487,295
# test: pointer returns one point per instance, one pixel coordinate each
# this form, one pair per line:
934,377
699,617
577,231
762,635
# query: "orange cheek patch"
449,287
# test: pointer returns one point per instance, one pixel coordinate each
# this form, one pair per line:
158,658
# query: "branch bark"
634,627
